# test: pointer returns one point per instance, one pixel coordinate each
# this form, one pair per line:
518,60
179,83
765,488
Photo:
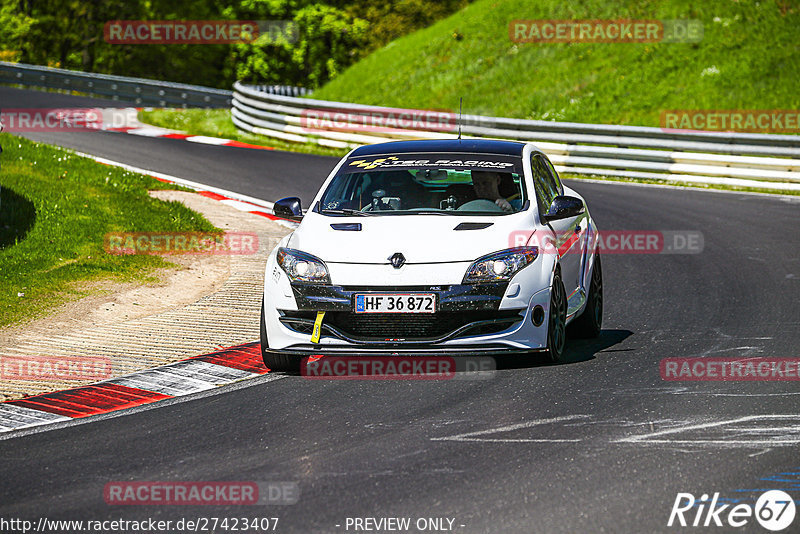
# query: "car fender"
533,278
278,292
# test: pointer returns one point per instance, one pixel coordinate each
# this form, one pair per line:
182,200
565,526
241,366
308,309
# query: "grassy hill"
749,58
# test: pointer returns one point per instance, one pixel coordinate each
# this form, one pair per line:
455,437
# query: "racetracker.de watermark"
613,241
155,243
377,119
785,121
173,493
606,31
20,120
730,369
132,32
52,119
398,367
54,369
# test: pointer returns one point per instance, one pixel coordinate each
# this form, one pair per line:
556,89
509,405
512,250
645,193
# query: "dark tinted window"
545,183
457,184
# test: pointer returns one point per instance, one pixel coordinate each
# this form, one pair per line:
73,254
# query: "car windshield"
448,184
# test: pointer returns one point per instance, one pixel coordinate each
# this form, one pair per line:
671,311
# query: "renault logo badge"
398,260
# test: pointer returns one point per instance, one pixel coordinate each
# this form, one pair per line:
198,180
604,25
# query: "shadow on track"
578,350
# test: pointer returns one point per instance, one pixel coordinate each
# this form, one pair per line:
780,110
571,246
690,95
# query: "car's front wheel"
556,327
590,322
273,361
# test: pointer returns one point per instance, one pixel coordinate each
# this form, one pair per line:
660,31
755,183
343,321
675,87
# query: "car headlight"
500,266
303,267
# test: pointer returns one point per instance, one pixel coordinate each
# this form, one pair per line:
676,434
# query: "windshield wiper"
343,211
432,211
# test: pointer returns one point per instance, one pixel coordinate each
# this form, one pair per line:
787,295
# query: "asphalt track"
588,446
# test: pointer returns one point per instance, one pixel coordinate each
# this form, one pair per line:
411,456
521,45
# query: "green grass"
749,59
55,209
217,123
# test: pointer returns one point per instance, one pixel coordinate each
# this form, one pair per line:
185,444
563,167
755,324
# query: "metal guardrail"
138,91
743,159
284,90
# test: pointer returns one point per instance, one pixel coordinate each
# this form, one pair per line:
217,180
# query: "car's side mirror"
563,207
288,208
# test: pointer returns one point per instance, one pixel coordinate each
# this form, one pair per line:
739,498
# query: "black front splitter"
383,351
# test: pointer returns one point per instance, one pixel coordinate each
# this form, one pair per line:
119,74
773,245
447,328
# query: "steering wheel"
481,204
383,206
378,202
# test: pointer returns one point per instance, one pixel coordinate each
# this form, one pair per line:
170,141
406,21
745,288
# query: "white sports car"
433,247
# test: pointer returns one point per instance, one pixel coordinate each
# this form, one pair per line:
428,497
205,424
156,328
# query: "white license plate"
395,303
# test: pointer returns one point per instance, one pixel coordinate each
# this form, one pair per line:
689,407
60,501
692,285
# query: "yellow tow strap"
317,327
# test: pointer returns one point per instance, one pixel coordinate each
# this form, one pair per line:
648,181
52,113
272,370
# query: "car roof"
468,146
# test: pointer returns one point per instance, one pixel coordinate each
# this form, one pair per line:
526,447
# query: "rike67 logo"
774,510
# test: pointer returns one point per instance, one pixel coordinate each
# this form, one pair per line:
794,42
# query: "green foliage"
322,41
749,58
327,37
391,19
328,40
15,25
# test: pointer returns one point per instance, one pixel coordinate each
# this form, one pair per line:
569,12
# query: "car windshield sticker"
448,161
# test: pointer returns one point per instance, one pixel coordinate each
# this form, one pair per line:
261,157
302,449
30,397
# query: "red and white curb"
148,131
237,201
185,377
129,120
125,120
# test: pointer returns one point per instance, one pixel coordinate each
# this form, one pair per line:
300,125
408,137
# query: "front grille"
302,328
406,326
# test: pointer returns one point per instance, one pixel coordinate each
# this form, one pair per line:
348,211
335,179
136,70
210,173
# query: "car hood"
420,238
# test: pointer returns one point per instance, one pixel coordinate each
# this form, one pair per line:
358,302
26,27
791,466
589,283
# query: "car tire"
590,321
273,361
556,320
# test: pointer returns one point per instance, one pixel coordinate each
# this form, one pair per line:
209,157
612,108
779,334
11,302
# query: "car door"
567,234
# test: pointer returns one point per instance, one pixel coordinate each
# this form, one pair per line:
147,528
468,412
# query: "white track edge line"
197,186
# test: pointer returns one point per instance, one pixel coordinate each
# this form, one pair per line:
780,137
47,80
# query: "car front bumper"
469,319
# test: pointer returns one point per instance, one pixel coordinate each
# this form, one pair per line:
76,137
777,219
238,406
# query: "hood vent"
347,227
473,226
